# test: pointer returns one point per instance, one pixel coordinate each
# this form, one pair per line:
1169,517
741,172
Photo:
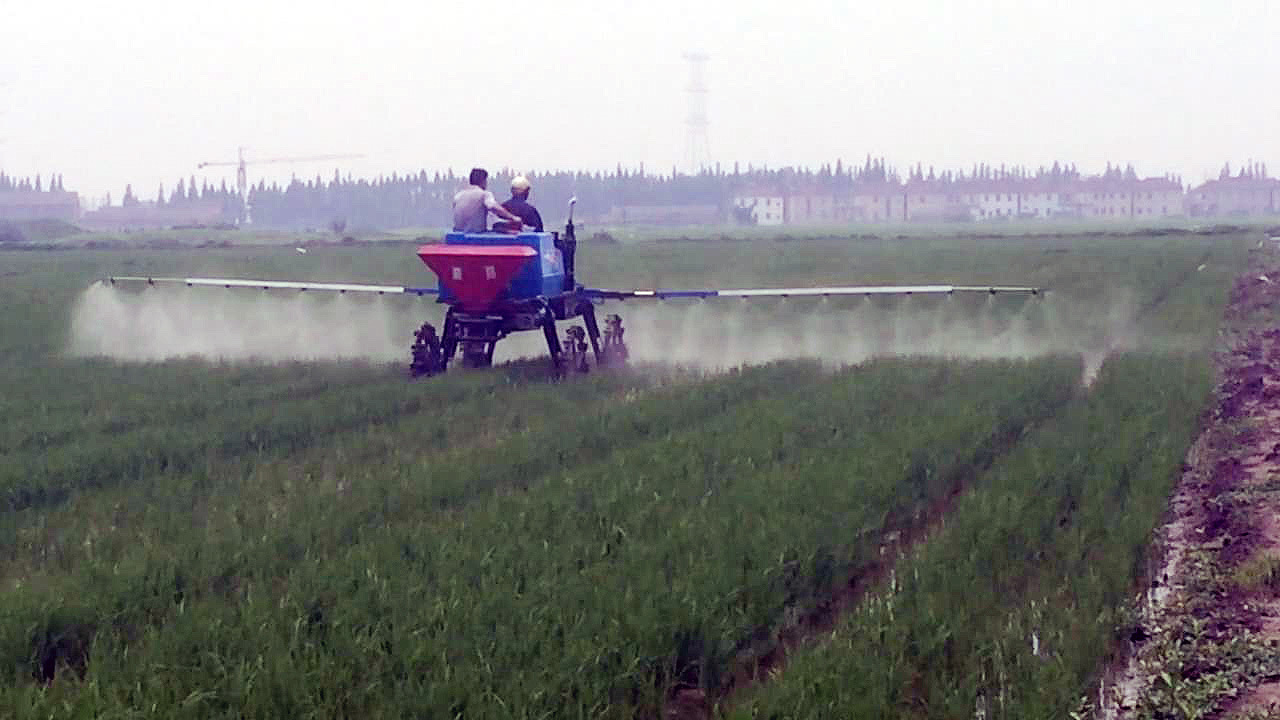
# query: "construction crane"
242,177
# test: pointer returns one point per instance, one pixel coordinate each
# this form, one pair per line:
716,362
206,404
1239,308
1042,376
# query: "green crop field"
298,530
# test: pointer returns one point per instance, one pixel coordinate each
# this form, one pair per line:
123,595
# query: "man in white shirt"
472,205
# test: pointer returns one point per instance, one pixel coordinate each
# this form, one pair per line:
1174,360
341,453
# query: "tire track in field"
902,532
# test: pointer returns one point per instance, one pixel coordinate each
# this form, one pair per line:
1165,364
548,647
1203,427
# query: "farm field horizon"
238,505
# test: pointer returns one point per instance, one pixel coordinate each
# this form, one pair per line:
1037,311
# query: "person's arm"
537,217
492,203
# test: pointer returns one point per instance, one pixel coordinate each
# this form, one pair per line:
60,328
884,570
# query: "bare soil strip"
1204,639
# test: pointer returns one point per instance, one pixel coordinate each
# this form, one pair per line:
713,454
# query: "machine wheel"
476,355
615,350
426,358
574,350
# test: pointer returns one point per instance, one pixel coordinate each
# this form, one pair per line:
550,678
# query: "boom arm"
599,293
810,291
274,284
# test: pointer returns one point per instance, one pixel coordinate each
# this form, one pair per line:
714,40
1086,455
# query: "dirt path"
1206,638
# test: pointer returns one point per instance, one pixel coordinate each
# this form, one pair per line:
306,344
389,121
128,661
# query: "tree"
128,200
160,196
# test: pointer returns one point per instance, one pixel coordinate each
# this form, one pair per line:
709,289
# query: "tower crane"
242,181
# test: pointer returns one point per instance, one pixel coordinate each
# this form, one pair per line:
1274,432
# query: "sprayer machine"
497,283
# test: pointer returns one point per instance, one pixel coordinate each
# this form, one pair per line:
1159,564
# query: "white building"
1042,202
765,209
995,201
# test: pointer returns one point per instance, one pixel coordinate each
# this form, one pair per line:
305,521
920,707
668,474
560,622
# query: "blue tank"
543,276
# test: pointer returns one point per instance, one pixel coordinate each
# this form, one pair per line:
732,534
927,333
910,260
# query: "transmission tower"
697,147
242,183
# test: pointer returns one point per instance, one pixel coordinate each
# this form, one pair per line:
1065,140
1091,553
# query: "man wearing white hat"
519,204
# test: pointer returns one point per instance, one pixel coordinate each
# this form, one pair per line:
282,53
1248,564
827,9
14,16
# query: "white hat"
519,183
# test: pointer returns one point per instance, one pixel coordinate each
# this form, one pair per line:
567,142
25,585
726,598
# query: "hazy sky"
142,91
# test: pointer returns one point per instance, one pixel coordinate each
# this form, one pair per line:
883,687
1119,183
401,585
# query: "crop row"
1008,610
594,591
537,429
62,404
106,545
185,434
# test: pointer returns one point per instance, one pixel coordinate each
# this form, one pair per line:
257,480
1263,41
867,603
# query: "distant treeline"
26,184
425,200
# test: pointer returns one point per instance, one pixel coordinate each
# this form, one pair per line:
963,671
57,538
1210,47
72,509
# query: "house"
809,206
1234,196
1044,198
879,202
993,199
767,207
1099,198
1157,198
935,201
